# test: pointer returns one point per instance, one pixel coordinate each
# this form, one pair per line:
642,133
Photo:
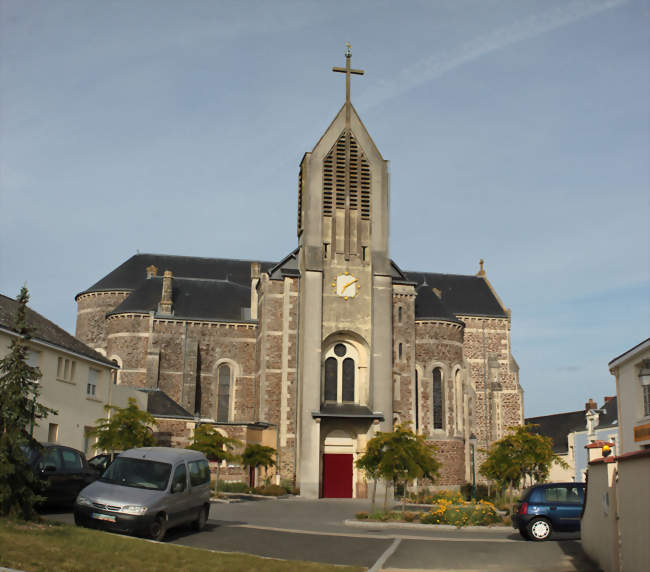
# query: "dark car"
543,509
102,461
63,471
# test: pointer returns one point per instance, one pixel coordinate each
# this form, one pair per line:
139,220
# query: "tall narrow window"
331,368
399,314
417,401
399,352
223,393
339,374
437,398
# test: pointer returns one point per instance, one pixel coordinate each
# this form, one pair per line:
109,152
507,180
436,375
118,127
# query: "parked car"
62,470
102,461
148,491
545,508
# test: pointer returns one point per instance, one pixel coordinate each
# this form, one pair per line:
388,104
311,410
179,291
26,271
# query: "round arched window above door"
340,374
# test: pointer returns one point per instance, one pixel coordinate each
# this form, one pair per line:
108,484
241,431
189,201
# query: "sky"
517,131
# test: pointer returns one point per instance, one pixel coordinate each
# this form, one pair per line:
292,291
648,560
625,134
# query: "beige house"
76,380
616,521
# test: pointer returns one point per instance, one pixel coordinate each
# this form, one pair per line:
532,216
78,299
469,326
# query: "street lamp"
472,444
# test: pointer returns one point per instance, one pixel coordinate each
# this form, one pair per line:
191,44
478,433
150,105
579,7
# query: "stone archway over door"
337,475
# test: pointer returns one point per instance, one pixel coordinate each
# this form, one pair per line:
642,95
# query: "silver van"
148,491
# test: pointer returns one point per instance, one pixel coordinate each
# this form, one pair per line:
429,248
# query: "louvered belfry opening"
346,196
357,170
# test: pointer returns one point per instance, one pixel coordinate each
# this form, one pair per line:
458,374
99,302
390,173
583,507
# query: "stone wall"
404,366
451,455
91,316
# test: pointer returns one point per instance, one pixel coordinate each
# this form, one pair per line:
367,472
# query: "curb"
417,526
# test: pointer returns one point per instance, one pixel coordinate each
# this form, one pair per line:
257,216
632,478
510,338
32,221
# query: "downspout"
296,432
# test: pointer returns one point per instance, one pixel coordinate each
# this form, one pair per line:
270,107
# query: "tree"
258,456
19,393
519,455
214,445
126,428
370,463
399,456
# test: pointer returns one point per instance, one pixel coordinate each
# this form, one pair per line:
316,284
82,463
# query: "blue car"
545,508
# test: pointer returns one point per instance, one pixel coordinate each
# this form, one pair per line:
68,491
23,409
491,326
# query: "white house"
76,380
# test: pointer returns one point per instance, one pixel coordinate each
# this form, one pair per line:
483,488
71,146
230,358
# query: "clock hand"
350,283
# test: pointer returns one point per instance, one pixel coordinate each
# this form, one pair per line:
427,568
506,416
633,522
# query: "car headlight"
83,501
134,509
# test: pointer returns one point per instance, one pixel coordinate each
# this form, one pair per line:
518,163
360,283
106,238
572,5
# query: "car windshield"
139,473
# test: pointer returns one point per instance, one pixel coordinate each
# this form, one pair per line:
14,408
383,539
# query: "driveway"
297,529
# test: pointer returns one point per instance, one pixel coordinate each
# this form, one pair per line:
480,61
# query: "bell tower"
345,329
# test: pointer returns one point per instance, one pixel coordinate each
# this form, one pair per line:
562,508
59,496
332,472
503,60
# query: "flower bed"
457,513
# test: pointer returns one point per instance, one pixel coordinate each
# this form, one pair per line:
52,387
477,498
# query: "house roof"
46,331
461,294
428,305
558,426
159,404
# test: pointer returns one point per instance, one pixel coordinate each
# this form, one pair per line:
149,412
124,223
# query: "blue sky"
517,131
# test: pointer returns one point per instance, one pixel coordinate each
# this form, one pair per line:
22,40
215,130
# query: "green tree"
370,464
255,456
123,428
399,457
19,392
519,456
214,445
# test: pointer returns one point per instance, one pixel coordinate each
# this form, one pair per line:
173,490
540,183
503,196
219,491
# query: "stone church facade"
317,352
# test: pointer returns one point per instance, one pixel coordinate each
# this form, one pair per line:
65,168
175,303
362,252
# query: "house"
616,519
76,381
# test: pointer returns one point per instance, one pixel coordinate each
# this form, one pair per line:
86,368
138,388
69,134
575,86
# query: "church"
315,352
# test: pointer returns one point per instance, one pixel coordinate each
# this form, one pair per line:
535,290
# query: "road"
297,529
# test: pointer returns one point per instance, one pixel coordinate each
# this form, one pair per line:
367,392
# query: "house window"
33,358
91,387
52,432
65,369
224,376
437,398
340,374
646,400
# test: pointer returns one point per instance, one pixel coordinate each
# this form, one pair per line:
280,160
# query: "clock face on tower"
346,286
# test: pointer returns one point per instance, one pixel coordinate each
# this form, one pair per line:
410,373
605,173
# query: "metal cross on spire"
347,71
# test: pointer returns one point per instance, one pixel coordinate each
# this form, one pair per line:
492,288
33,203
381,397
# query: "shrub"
361,515
233,487
410,516
481,491
270,490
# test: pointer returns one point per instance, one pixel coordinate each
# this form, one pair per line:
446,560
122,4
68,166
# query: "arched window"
416,403
340,374
437,399
399,352
224,375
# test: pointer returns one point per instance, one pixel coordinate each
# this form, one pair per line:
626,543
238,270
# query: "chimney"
151,271
165,306
608,398
255,279
591,404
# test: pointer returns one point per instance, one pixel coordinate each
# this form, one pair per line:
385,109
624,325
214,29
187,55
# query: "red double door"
337,476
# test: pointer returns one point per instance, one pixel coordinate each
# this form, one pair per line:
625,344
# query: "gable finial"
481,272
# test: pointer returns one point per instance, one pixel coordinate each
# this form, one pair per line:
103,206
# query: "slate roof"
428,305
461,294
46,331
219,288
159,404
558,427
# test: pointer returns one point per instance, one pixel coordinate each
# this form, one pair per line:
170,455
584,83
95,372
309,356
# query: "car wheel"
539,529
201,521
158,528
77,520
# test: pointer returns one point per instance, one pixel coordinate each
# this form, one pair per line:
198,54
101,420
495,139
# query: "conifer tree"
19,410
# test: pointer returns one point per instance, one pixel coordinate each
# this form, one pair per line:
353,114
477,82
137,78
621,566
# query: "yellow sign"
642,432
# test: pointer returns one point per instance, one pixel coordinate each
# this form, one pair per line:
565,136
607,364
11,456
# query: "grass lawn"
54,546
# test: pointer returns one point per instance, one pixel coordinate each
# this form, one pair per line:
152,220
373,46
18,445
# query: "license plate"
106,517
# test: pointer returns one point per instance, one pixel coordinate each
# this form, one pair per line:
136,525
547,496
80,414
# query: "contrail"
436,65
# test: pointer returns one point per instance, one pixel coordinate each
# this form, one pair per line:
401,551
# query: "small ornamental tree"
124,428
370,463
214,445
518,456
399,456
19,410
255,455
